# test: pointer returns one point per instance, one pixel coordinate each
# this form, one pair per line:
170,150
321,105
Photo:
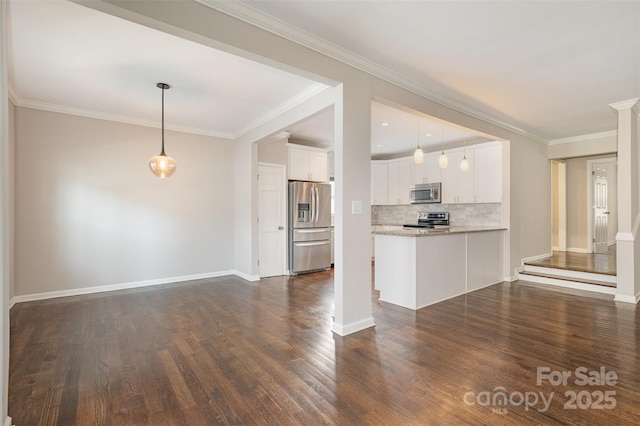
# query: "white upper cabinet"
482,183
379,182
488,173
400,180
307,163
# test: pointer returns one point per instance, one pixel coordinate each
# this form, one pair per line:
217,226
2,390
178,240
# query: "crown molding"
287,105
588,137
275,26
630,103
14,96
83,112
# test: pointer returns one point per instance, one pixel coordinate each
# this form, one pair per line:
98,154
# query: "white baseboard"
247,276
126,286
578,250
343,330
511,279
7,421
627,299
536,257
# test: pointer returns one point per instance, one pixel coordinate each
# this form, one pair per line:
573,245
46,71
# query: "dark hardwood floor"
223,351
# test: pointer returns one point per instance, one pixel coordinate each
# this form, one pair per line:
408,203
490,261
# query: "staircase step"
570,275
561,281
561,277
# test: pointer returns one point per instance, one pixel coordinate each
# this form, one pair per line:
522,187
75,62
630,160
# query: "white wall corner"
627,299
344,330
247,277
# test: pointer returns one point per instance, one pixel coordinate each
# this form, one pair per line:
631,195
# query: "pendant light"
162,165
418,155
464,163
443,162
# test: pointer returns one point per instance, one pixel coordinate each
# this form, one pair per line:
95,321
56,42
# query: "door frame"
285,198
561,205
590,213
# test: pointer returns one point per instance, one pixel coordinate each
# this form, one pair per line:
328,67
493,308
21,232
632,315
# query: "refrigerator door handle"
313,204
312,243
317,202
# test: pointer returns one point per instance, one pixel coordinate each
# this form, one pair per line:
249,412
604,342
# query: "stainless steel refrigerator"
309,226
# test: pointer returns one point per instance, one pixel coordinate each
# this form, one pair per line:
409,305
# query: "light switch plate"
356,207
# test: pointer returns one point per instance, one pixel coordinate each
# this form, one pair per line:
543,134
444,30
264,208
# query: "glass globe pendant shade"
162,165
443,162
464,164
418,156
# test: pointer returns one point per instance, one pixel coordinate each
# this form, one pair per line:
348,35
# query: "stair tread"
572,279
544,264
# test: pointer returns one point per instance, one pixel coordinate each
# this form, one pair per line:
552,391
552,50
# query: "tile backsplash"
461,214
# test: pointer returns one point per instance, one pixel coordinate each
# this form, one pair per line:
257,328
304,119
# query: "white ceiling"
70,58
548,69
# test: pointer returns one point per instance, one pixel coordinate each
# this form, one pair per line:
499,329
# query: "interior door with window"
600,209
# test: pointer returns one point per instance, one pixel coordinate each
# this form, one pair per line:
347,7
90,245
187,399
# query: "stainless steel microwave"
426,193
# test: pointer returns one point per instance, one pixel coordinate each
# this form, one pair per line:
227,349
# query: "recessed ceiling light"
379,146
428,134
385,124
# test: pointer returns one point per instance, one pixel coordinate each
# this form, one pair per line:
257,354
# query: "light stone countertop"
430,232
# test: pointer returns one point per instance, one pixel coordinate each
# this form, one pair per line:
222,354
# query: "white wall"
11,197
90,213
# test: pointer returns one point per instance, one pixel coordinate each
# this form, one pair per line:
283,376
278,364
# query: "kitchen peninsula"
415,268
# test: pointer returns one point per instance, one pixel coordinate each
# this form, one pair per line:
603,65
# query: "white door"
600,209
272,220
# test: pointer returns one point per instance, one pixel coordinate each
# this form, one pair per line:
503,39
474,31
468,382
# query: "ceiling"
546,69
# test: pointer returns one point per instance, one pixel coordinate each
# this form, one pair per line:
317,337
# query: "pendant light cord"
162,153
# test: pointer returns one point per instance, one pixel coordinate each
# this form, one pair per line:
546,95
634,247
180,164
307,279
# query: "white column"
352,274
628,243
6,205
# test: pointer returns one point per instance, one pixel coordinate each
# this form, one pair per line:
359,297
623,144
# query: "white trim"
582,138
534,258
275,26
630,103
343,330
287,105
510,279
7,421
247,277
627,299
571,275
629,236
568,284
578,250
126,286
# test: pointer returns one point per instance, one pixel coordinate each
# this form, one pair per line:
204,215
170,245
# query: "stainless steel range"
434,220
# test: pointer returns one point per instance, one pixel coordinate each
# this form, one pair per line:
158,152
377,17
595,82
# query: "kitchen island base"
418,269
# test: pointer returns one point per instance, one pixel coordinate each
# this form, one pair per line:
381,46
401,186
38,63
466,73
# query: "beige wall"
578,211
90,213
577,186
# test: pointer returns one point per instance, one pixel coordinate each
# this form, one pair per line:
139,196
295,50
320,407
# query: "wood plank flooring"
582,262
225,352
